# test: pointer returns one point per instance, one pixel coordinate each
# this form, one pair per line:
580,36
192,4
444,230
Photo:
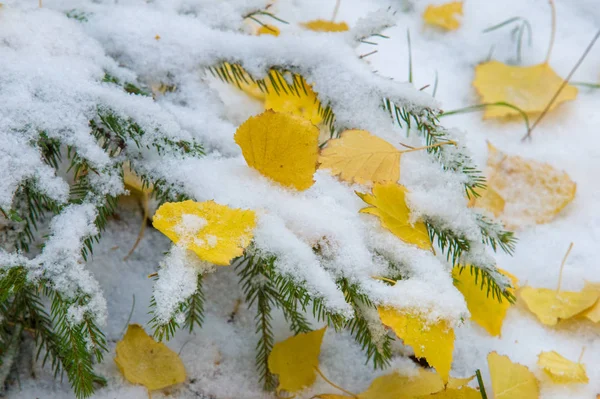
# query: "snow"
52,71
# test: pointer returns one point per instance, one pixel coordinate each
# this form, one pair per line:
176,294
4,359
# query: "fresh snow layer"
45,55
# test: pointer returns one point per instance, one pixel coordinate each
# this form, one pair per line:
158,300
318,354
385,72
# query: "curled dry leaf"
359,157
216,233
321,25
561,370
511,380
388,204
296,359
281,146
533,192
485,310
147,362
529,88
445,15
432,341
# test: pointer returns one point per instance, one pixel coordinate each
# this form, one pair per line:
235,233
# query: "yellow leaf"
303,102
133,181
216,233
147,362
389,205
530,88
244,81
593,313
533,192
359,157
562,370
486,311
457,383
295,360
268,30
550,305
453,393
511,380
398,386
490,200
321,25
330,396
445,16
281,146
434,342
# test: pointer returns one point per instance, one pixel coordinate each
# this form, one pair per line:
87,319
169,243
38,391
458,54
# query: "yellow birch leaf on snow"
485,310
216,233
321,25
302,102
359,157
295,360
388,204
592,313
243,81
511,380
144,361
454,393
562,370
533,192
433,341
445,15
281,146
550,305
133,181
490,200
529,88
268,30
398,386
457,383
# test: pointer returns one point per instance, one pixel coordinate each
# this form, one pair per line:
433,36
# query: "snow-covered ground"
219,358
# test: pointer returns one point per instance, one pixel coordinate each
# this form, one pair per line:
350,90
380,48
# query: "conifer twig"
9,355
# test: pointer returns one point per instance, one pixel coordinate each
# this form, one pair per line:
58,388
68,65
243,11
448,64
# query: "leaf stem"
562,266
429,146
552,31
334,385
336,9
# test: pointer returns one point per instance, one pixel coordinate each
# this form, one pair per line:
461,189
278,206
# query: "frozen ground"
219,358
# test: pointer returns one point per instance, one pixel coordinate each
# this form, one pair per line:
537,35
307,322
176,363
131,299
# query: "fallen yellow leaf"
398,386
486,311
511,380
490,200
445,15
295,360
321,25
268,30
550,305
359,157
433,341
147,362
529,88
216,233
461,393
457,383
389,205
562,370
593,313
281,146
133,181
302,102
533,192
244,81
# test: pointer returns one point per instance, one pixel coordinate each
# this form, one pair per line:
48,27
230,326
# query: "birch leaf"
529,88
490,200
445,15
216,233
281,146
321,25
388,204
144,361
268,30
562,370
359,157
398,386
303,102
295,360
454,393
434,342
511,380
550,305
593,313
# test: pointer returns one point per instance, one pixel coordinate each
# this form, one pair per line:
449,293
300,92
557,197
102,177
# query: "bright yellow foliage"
462,393
296,359
244,81
562,370
389,205
486,311
530,88
303,103
359,157
144,361
445,16
533,192
268,30
321,25
398,386
216,233
511,380
457,383
434,342
593,313
550,305
133,181
281,146
490,200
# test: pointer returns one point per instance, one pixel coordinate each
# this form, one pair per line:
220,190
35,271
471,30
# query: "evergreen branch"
194,308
